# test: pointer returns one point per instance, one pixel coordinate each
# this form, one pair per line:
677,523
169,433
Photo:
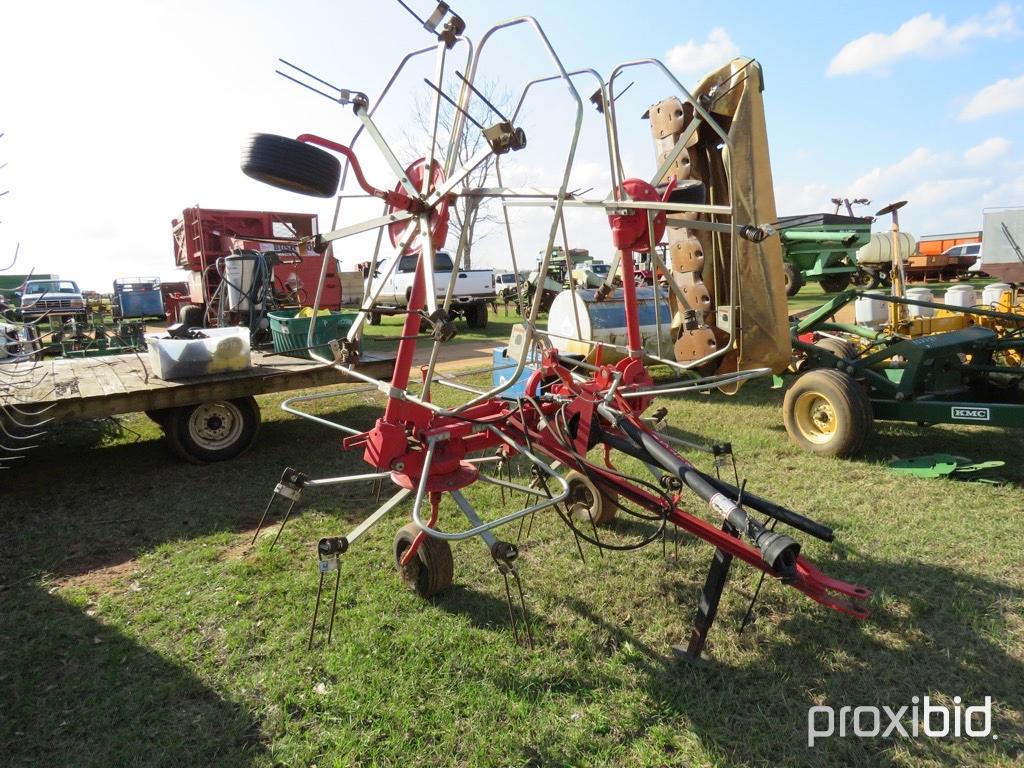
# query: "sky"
118,115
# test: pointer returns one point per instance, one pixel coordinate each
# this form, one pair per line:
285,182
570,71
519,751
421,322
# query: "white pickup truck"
474,288
52,298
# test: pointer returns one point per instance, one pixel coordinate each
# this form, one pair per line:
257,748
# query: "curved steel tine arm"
370,295
729,157
13,436
31,415
704,115
684,367
287,407
505,519
320,482
559,200
700,385
505,484
348,164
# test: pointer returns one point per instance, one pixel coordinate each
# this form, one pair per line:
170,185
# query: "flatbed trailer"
208,418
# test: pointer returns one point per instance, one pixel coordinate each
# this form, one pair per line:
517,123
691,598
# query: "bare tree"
417,135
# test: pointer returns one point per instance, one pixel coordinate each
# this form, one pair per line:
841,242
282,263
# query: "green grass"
194,652
378,338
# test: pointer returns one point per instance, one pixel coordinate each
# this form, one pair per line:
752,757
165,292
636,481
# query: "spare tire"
292,165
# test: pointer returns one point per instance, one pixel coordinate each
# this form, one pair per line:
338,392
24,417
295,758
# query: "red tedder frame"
569,410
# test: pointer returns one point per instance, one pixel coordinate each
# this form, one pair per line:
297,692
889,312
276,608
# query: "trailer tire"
160,417
841,348
827,413
867,278
215,431
375,318
476,316
587,503
834,283
794,280
291,165
432,570
192,316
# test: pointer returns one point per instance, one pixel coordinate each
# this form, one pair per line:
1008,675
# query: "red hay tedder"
569,410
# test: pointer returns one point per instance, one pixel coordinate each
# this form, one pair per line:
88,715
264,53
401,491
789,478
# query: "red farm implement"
568,410
269,251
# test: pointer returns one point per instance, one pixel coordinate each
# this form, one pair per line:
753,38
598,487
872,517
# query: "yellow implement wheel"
587,503
826,412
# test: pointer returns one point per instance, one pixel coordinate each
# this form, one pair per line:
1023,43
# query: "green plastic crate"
291,333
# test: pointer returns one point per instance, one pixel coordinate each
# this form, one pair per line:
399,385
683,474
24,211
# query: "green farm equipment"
851,375
821,247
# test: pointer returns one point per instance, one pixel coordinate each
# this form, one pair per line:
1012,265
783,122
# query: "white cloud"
1004,95
987,151
692,57
923,35
946,190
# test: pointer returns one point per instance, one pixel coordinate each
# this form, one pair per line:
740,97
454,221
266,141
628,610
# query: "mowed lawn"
138,627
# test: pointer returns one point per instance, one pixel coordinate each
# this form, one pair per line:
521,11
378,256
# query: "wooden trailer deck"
86,388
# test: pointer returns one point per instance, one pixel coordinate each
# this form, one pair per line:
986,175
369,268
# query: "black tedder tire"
827,413
292,165
431,571
587,503
476,316
794,280
841,348
192,316
215,431
834,283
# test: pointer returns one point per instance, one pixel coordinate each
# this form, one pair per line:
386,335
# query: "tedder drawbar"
568,409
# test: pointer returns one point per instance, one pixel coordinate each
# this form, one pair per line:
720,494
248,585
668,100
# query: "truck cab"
474,288
54,298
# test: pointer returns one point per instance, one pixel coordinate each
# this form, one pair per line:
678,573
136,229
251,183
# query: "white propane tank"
878,250
240,275
871,312
992,293
961,296
920,294
605,321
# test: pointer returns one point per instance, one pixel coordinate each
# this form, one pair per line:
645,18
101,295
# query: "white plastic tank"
993,292
961,296
878,250
920,294
871,312
605,321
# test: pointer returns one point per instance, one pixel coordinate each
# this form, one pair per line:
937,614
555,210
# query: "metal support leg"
707,607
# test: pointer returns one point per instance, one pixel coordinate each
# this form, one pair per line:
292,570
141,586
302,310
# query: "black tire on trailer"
432,569
827,413
476,316
834,283
587,503
160,416
215,431
292,165
374,318
885,279
191,316
794,280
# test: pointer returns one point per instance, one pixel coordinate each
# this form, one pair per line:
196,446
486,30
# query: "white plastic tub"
223,350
